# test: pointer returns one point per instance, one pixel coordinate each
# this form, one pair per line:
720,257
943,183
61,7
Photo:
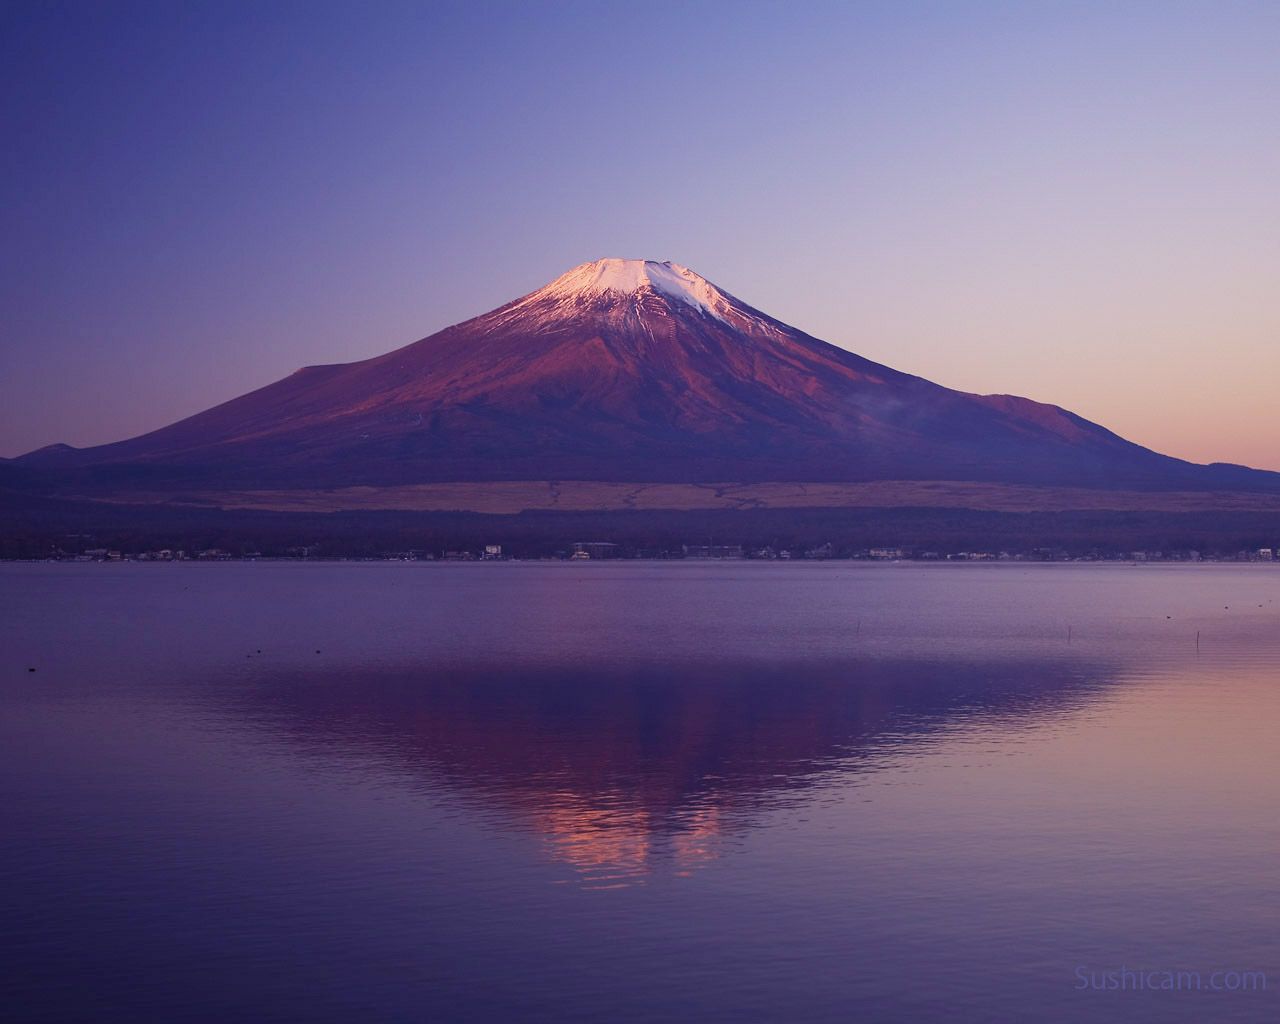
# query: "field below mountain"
515,496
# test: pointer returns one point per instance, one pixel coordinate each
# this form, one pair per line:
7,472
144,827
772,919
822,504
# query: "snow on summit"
628,277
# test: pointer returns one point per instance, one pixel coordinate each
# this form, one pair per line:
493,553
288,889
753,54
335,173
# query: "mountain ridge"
623,370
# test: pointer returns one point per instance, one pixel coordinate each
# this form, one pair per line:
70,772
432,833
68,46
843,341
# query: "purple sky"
1073,202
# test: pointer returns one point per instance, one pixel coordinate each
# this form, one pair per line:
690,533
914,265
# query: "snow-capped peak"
627,277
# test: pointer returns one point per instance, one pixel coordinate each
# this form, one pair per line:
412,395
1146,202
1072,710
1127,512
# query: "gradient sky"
1079,203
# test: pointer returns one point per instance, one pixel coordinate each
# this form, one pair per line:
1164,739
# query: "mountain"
621,370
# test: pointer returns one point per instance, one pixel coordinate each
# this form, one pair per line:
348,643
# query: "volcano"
623,371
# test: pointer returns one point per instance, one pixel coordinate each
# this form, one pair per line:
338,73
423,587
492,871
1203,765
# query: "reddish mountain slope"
626,370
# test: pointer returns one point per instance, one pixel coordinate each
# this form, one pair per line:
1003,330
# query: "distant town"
599,550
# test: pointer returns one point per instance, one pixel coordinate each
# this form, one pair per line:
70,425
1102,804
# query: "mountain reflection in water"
625,770
569,793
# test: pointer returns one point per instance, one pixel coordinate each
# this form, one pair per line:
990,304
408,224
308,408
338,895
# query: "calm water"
637,792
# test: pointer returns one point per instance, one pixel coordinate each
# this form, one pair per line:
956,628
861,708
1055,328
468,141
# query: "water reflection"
624,770
822,793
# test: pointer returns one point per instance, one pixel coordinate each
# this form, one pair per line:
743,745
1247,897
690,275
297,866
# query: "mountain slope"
625,370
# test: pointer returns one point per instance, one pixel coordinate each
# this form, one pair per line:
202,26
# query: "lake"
640,791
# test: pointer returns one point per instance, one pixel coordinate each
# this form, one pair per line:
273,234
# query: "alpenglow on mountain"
624,370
